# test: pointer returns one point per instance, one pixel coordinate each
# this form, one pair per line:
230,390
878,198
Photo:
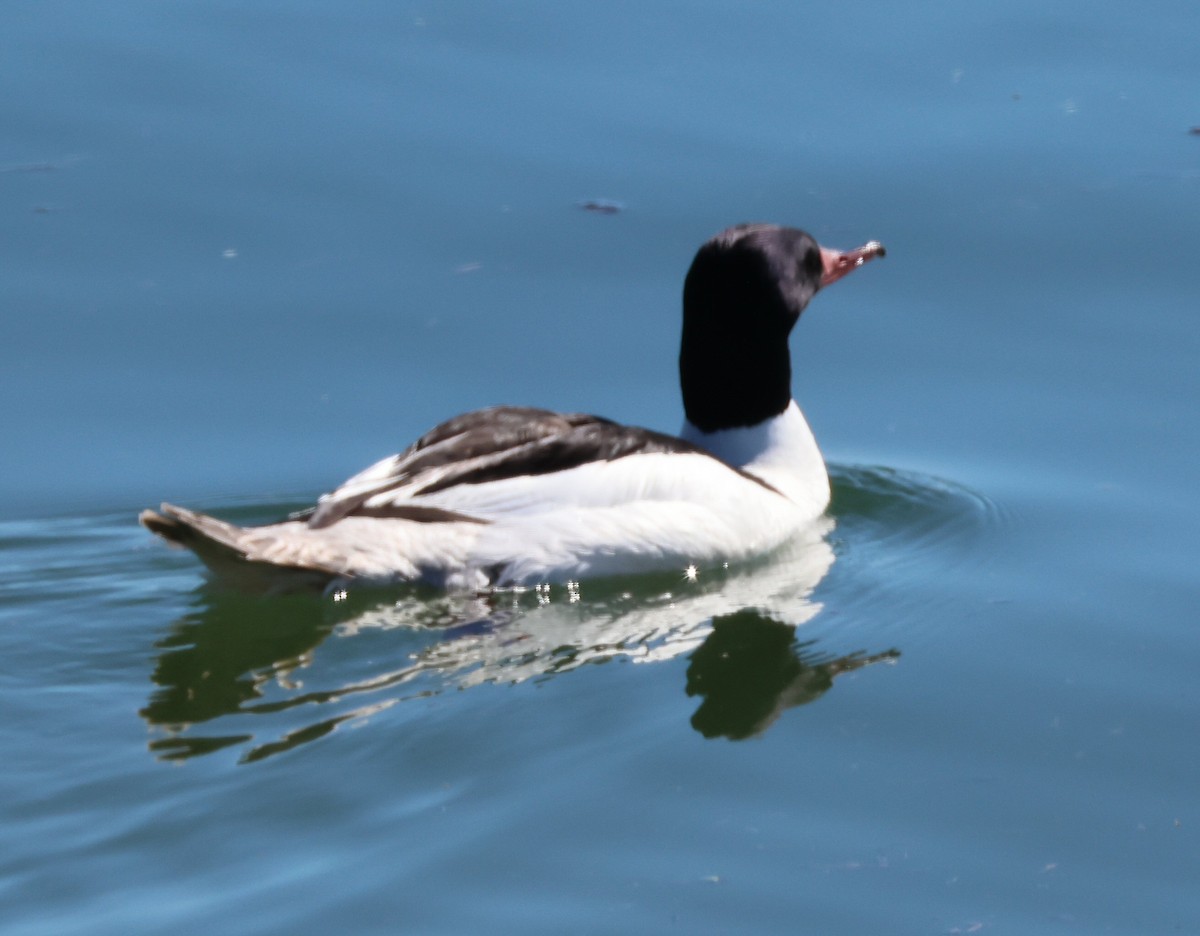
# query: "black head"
744,292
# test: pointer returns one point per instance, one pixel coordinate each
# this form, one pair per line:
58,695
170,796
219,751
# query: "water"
251,248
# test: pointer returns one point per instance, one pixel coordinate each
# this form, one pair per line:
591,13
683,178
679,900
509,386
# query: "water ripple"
904,541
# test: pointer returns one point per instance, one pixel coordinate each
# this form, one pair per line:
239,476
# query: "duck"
510,497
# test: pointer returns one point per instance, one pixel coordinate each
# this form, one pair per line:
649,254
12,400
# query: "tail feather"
225,549
194,530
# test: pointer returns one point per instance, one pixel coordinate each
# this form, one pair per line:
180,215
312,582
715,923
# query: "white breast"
782,451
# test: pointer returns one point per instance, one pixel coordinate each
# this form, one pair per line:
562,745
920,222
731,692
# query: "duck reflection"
750,669
219,659
240,667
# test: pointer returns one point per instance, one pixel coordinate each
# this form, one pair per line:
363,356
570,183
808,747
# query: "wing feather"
492,444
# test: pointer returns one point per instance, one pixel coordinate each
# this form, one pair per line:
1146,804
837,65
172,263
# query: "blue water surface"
251,247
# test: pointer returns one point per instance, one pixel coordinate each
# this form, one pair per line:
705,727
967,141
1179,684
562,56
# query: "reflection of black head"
749,669
744,292
741,670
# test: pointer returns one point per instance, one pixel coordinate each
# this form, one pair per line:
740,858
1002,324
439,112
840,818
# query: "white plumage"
513,496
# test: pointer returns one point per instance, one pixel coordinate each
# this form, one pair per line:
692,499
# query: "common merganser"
511,496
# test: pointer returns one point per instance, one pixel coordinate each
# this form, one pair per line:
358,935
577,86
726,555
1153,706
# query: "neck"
780,449
735,369
730,382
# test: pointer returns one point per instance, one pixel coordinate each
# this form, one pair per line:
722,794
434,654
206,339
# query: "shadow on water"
239,667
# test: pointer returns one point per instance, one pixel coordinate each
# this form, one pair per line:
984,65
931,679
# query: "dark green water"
251,248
